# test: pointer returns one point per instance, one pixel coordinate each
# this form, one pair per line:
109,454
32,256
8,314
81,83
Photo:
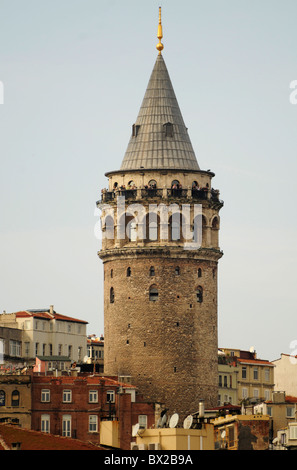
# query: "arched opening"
199,294
153,293
15,398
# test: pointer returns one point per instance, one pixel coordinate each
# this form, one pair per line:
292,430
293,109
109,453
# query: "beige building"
48,333
255,378
228,377
281,409
285,374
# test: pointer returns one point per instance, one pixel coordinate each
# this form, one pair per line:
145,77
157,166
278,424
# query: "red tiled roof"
44,314
34,440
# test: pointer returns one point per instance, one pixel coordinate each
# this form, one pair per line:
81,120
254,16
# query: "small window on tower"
128,272
135,130
168,129
177,271
152,271
154,294
199,294
111,295
199,272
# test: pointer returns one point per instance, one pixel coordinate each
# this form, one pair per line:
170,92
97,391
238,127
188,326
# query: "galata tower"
160,250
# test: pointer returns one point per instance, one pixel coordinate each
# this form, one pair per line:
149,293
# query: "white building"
48,333
285,374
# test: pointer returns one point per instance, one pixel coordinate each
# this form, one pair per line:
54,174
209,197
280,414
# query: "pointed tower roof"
159,137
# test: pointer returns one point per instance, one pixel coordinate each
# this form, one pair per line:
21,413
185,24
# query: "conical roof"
159,137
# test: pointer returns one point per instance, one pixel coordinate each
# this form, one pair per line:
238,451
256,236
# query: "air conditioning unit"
134,446
142,446
154,446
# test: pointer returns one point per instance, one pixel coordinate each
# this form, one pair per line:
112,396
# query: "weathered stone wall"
169,346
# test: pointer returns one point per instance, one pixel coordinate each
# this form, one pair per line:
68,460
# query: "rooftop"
159,137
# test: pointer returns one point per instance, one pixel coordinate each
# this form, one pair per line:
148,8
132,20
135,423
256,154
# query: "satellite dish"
135,430
188,421
173,420
163,420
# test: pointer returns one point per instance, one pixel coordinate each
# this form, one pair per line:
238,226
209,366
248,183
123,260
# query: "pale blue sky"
74,75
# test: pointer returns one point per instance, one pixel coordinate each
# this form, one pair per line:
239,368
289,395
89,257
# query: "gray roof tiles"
151,148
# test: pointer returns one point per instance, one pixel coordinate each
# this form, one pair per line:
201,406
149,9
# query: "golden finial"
160,46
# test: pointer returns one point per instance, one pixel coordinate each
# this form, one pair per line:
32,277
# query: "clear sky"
74,74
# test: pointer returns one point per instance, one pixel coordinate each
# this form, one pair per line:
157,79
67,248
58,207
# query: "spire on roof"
159,137
160,46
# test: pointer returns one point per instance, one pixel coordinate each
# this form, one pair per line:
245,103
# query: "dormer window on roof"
168,129
135,130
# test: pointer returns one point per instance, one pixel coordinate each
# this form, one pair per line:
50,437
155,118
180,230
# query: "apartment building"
47,333
255,377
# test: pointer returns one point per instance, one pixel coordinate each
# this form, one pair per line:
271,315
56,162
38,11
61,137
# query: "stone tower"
160,251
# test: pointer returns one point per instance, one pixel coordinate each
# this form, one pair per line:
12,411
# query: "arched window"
199,294
15,398
152,271
199,272
111,295
2,398
153,294
177,271
128,272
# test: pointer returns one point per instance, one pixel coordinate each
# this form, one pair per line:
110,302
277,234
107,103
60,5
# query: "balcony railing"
132,194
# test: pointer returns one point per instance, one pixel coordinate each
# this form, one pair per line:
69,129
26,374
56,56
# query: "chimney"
201,409
51,309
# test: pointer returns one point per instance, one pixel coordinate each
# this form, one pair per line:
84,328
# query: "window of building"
93,396
45,395
67,396
267,374
128,272
2,398
293,431
93,423
256,393
111,295
15,398
199,294
36,349
220,381
110,396
45,423
152,271
66,426
290,411
142,421
225,381
244,392
14,348
266,395
243,372
199,272
153,294
177,271
269,410
256,373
